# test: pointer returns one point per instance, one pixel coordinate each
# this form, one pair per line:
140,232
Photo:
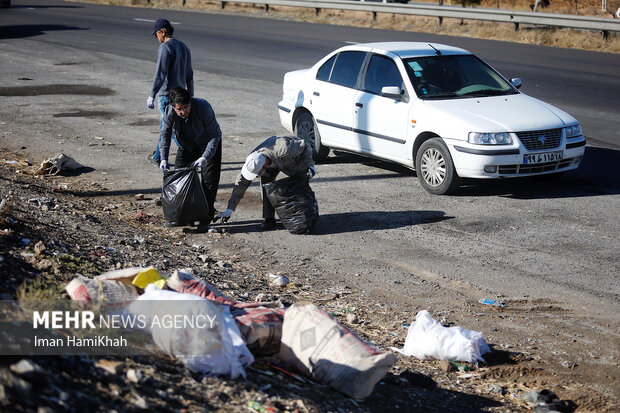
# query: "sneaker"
268,224
154,161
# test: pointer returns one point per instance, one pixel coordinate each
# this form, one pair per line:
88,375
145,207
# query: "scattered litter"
115,288
58,164
112,367
261,328
460,366
148,276
316,345
139,197
26,241
260,407
428,339
493,303
199,349
294,375
279,280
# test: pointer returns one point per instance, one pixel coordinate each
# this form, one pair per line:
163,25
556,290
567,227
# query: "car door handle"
359,105
316,93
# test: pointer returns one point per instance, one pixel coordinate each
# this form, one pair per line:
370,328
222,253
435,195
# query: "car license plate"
533,158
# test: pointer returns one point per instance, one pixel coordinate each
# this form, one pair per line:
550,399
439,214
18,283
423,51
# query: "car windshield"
455,76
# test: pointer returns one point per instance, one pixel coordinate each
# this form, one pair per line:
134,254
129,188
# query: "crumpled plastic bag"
218,350
58,164
428,339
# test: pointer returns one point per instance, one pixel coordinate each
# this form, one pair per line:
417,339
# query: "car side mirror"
393,92
516,82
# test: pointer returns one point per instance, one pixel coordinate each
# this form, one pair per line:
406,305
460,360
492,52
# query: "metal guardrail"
467,13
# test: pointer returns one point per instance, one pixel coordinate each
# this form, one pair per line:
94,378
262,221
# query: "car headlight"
573,131
479,138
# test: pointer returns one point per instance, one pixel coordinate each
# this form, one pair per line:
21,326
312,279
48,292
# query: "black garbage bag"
183,199
294,202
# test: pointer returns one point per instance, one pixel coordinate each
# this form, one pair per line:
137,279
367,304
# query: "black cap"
160,24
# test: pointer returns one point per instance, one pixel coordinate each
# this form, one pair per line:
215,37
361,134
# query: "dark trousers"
268,176
210,174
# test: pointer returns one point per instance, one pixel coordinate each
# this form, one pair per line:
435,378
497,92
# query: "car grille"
540,139
534,169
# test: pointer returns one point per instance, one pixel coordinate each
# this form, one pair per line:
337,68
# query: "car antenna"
438,52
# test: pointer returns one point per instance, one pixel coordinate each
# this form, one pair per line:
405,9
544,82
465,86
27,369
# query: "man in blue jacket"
174,69
193,122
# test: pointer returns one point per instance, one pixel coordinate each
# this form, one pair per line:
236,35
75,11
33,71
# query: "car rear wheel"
305,128
435,168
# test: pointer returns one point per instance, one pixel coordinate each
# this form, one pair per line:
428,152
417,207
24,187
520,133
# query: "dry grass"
566,38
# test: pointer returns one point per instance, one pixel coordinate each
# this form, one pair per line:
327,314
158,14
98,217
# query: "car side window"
347,68
326,70
381,72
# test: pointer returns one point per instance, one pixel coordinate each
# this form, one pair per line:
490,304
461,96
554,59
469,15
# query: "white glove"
202,162
163,165
311,172
150,102
224,216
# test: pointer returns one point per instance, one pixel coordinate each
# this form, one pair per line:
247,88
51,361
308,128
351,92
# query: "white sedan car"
437,109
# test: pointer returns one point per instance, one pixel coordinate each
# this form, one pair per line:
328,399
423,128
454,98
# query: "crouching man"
287,154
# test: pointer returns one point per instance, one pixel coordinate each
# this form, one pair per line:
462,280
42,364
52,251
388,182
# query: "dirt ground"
85,234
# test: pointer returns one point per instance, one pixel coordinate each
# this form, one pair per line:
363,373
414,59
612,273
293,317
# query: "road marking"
151,21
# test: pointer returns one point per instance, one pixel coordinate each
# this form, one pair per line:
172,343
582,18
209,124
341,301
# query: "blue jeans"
162,102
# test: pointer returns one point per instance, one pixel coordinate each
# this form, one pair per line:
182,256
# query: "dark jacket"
206,131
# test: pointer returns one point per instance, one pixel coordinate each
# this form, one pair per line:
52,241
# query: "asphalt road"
585,84
526,239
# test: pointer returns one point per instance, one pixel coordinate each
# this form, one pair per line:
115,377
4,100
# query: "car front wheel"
435,168
305,128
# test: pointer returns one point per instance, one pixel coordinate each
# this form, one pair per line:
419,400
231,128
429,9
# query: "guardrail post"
223,5
439,19
267,8
316,11
605,34
374,15
516,26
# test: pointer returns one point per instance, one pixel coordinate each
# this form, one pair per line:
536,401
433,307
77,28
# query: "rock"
27,368
139,197
352,318
203,257
134,375
259,297
45,409
18,384
496,388
4,400
39,248
280,281
113,367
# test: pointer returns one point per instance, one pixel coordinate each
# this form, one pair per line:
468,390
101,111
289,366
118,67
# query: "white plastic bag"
215,348
428,339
